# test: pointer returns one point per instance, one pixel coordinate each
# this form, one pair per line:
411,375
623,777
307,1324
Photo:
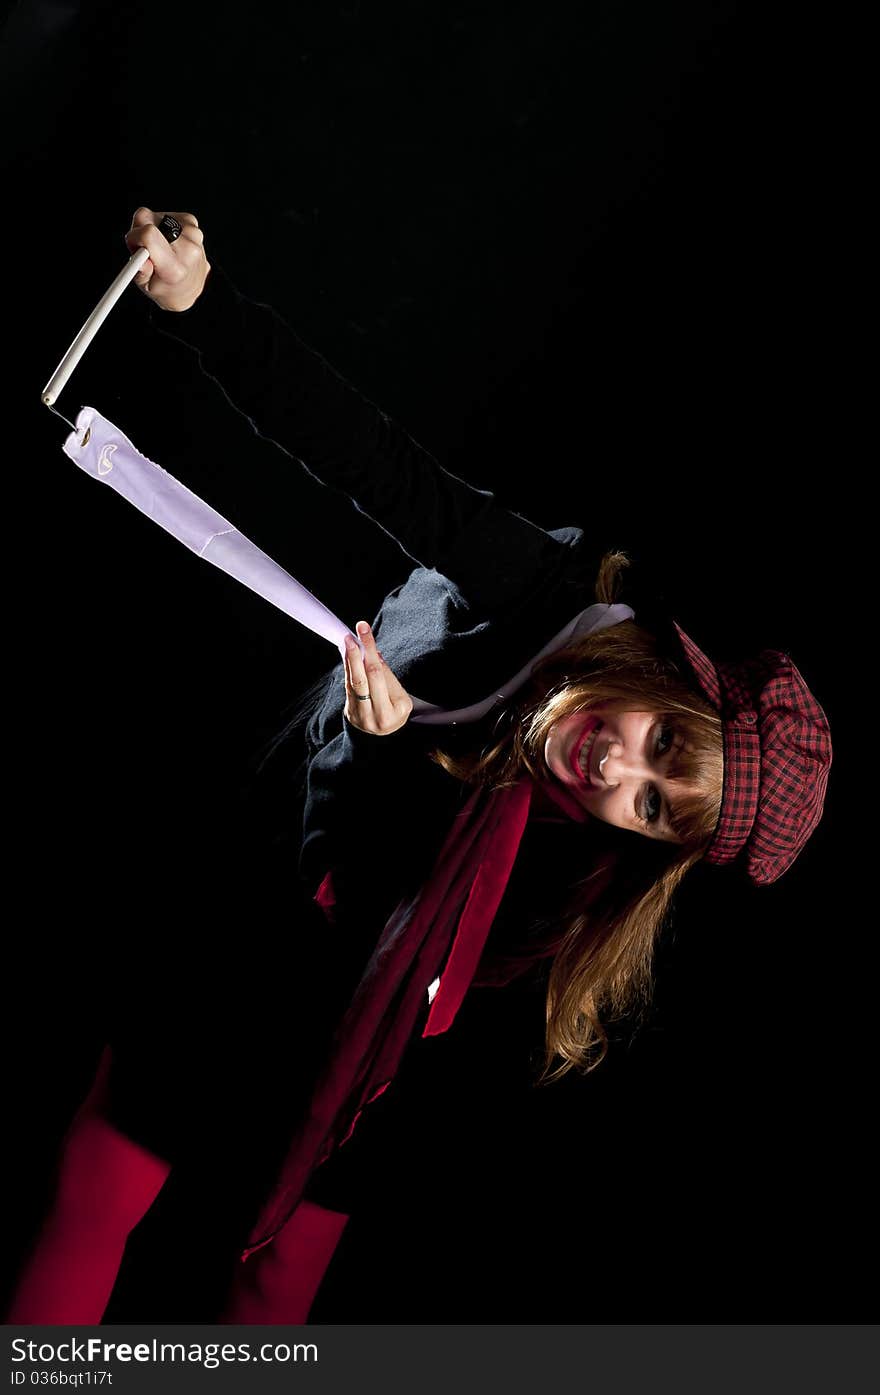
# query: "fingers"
375,700
146,218
367,681
396,690
172,261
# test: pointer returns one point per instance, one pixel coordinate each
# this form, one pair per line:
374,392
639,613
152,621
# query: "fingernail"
363,628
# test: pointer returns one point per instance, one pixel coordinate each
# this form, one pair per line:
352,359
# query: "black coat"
487,591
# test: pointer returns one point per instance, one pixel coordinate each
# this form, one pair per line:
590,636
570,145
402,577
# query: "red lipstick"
592,725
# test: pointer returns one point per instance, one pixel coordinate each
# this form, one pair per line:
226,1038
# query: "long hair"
603,946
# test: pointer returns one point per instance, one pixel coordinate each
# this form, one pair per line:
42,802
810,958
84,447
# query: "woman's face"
614,765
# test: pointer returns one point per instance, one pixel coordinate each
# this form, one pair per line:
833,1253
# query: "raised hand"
374,700
174,275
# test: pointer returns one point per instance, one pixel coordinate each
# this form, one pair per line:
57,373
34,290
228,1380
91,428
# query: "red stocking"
278,1283
105,1184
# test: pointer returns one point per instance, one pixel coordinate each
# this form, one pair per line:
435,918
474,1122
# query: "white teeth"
584,754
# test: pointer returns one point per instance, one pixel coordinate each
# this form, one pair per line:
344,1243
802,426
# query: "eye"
664,739
652,805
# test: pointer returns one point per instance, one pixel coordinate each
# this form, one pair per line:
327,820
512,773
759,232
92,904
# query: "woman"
574,763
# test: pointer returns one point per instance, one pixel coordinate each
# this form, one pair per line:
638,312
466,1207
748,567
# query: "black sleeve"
373,802
293,397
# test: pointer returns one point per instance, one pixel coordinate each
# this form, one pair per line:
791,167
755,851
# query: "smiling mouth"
583,748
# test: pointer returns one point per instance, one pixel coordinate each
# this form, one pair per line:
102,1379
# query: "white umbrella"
99,448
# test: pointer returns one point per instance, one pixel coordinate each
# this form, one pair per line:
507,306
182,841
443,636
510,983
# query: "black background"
580,251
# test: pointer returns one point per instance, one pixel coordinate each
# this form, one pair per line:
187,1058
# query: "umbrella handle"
56,383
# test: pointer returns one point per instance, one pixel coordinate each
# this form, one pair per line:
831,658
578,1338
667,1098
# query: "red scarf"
451,915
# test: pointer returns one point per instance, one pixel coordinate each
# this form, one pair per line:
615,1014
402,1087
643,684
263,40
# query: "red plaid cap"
777,753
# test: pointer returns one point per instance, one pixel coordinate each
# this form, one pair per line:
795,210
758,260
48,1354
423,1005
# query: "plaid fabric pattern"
777,754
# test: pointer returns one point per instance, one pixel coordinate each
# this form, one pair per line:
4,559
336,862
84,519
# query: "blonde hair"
603,947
